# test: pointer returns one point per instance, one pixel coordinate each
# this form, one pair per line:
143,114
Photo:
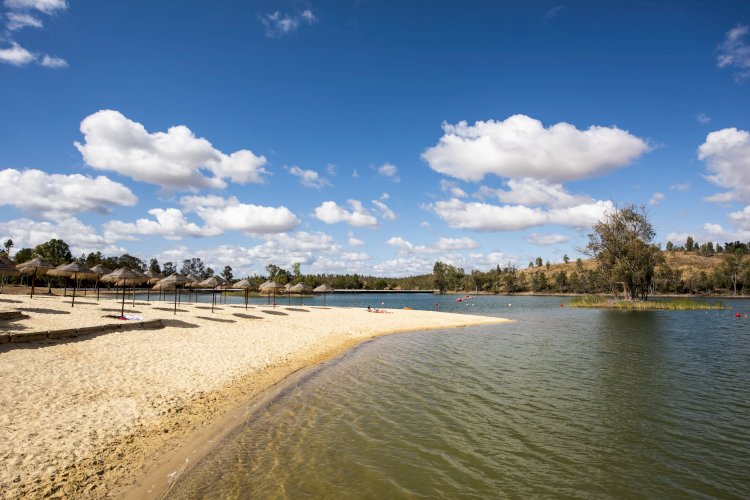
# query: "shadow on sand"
43,311
247,316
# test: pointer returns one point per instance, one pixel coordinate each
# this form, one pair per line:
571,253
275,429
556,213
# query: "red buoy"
738,315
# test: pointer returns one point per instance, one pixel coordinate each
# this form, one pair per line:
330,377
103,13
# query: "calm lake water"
563,403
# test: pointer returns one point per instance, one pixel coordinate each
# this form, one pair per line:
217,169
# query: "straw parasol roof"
100,270
212,282
124,276
191,280
153,277
324,288
38,266
172,281
246,284
270,286
7,267
73,270
300,288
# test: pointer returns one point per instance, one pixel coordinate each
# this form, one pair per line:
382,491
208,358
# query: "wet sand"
95,416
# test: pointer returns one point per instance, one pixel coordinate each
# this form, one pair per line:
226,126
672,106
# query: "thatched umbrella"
124,277
173,281
246,285
212,283
7,268
324,289
153,278
300,288
35,267
100,271
269,287
73,270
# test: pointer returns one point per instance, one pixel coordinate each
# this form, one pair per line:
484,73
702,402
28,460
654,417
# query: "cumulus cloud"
308,178
332,213
229,214
521,146
734,52
175,159
17,21
487,217
81,237
726,153
703,118
452,188
546,239
46,6
20,15
16,55
442,244
354,241
56,195
389,171
656,198
385,212
527,191
169,223
278,24
682,187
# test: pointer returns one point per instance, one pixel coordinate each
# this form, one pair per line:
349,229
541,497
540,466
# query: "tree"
196,267
169,269
227,274
439,277
622,245
131,262
296,270
8,245
54,251
689,244
153,266
566,259
24,255
670,246
733,267
538,262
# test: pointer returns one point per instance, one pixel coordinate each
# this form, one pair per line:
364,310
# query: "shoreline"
100,415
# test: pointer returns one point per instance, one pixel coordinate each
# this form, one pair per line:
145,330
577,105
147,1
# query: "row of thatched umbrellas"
125,277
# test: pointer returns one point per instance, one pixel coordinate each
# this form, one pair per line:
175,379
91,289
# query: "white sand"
90,416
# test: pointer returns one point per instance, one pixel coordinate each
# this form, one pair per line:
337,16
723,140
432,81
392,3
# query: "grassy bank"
638,305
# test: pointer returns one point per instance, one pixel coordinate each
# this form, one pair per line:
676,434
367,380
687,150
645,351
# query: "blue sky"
369,137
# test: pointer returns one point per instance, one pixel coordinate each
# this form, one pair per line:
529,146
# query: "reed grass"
643,305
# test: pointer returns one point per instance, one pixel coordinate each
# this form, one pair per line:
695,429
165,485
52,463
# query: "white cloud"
546,239
656,198
174,159
18,20
527,191
170,223
741,218
685,186
487,217
734,52
727,156
452,188
53,62
521,146
355,256
442,245
46,6
385,212
554,12
390,171
16,55
331,169
355,242
703,118
229,214
80,237
331,213
355,174
308,178
57,195
278,24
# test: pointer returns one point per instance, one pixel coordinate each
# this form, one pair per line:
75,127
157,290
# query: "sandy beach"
91,416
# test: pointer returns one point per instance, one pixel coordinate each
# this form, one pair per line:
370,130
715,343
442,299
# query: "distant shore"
97,415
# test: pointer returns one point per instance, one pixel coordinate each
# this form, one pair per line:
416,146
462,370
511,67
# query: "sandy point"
95,416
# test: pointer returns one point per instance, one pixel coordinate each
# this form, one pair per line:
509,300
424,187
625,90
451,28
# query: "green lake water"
564,403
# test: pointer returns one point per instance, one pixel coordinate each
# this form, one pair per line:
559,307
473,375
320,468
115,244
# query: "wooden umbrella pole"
175,299
213,298
122,311
97,288
33,281
73,302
